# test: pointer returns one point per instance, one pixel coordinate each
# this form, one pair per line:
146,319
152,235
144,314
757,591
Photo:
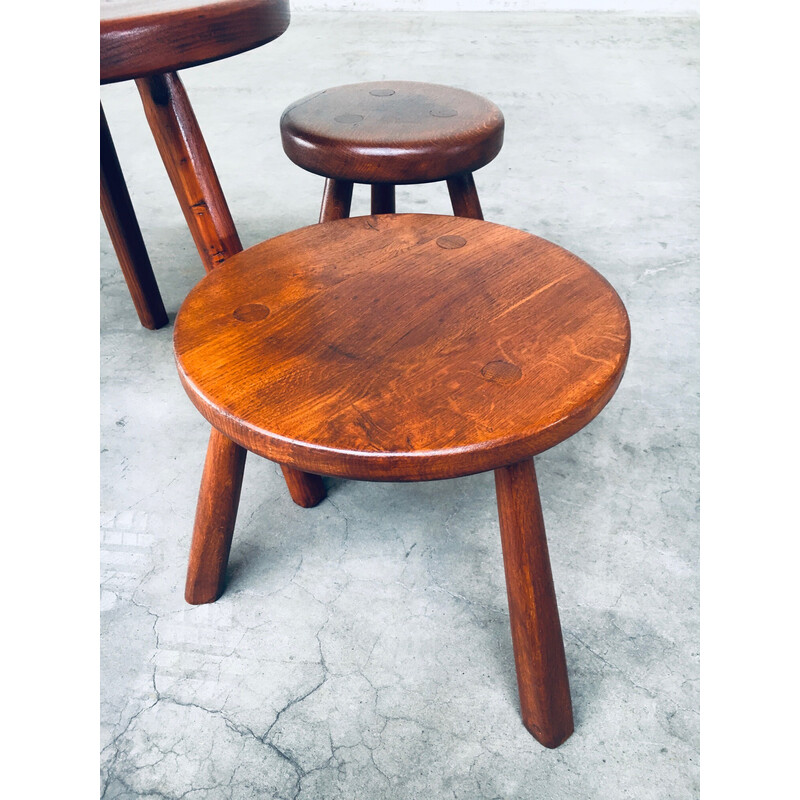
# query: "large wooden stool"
392,132
148,41
406,348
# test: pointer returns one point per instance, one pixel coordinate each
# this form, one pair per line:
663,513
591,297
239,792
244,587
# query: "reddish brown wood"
408,347
215,519
145,37
392,132
140,38
120,218
336,199
306,490
535,627
189,167
464,196
382,198
402,347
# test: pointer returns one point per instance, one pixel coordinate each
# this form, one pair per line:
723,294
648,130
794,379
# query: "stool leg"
194,179
464,196
120,218
189,166
535,628
215,518
307,490
382,198
336,199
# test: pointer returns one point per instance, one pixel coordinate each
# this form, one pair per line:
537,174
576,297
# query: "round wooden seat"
392,132
147,37
401,347
405,348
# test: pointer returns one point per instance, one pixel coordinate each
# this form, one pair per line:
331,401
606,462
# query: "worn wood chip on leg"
189,166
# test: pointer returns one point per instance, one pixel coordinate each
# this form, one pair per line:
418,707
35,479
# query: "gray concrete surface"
362,649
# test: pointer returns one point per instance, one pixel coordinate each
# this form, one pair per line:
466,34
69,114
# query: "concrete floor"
362,649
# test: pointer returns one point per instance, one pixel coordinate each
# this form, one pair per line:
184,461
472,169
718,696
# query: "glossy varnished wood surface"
401,347
145,37
392,132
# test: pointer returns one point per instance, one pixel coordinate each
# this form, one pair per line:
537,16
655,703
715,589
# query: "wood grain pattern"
141,37
535,628
393,132
123,228
191,171
215,519
401,347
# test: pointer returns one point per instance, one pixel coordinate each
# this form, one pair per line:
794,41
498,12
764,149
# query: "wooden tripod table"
148,41
406,348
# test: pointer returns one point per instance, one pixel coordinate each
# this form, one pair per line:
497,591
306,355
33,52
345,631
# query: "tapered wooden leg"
382,198
535,628
336,199
120,218
215,518
464,196
307,490
189,167
194,179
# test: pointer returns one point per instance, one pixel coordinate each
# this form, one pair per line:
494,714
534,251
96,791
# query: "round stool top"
392,132
145,37
401,347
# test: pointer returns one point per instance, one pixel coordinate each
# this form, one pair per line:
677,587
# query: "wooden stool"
148,41
406,348
392,132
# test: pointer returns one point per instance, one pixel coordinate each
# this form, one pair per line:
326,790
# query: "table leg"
215,519
336,199
535,627
464,196
126,236
382,198
194,179
307,490
189,166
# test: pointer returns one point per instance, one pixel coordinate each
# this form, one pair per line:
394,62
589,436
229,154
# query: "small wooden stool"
392,132
406,348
